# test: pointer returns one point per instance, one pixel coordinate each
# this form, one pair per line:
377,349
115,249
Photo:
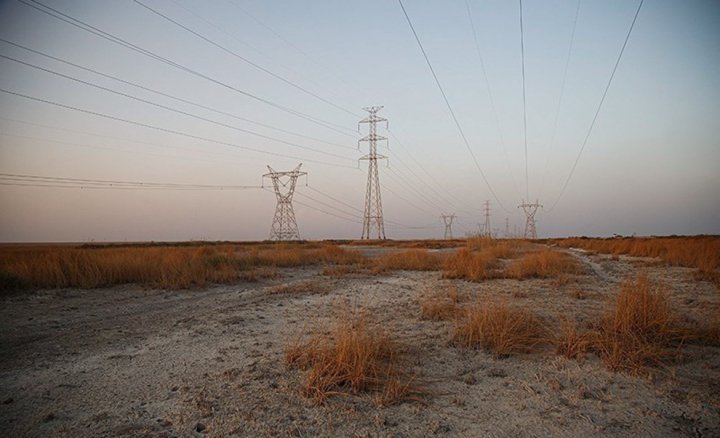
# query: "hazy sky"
649,167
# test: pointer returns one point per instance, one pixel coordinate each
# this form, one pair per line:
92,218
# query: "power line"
447,102
53,181
294,46
142,151
551,143
158,128
170,96
490,96
167,108
116,40
522,54
242,58
592,124
339,201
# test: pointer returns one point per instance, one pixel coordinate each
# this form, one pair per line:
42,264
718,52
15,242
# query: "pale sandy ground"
128,361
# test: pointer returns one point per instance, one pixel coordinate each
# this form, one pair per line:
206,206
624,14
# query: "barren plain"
132,360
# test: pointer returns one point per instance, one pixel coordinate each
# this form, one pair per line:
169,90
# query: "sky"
249,84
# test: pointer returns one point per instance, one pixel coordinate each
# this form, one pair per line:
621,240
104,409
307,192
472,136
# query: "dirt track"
128,361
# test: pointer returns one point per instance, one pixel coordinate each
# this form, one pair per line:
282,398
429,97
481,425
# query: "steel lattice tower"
486,230
507,227
530,210
284,226
373,214
448,219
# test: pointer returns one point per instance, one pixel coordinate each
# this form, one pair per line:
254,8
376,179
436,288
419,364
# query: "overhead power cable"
244,59
447,102
597,111
170,96
324,69
63,182
167,108
551,142
490,96
119,41
171,131
522,55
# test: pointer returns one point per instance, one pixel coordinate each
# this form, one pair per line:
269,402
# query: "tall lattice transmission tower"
373,214
485,230
530,210
448,220
507,227
284,226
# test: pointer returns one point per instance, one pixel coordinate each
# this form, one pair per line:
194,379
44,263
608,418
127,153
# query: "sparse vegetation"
173,267
701,252
441,305
357,358
409,260
544,263
637,331
500,328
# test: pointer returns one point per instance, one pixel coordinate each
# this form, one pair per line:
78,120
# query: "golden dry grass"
544,263
358,357
440,306
468,265
571,341
639,330
409,260
481,258
701,252
169,267
500,328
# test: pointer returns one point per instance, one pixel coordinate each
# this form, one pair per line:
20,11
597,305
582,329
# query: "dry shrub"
701,252
469,266
440,306
571,341
500,328
638,331
544,263
357,358
308,286
410,260
168,267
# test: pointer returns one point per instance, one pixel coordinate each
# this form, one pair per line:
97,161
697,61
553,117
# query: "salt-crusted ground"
130,361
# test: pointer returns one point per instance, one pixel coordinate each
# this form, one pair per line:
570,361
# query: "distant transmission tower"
448,219
507,227
284,226
485,231
373,216
530,210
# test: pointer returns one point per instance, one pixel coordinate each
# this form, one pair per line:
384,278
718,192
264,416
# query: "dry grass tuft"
410,260
638,331
571,341
167,267
469,266
440,306
701,252
500,328
357,358
544,263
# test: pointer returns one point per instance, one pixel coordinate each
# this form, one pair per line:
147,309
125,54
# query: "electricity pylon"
530,210
284,226
448,219
373,214
485,231
507,227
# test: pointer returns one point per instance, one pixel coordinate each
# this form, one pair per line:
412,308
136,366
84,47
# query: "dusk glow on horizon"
156,119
